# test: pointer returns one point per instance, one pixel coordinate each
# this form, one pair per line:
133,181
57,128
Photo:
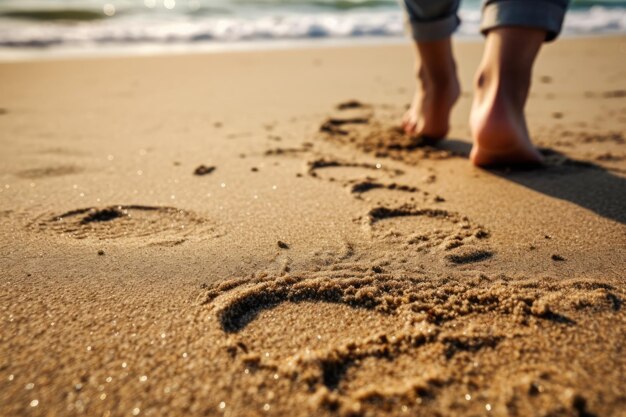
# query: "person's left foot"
429,113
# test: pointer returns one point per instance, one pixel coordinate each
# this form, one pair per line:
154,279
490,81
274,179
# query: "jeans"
430,20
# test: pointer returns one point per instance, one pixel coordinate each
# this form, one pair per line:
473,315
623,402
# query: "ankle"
510,85
438,72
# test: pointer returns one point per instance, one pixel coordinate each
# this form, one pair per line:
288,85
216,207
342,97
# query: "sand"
248,234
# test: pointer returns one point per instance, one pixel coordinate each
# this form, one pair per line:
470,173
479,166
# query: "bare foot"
497,118
429,113
499,128
438,91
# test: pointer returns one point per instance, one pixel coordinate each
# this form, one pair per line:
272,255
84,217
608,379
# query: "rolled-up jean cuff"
534,14
434,30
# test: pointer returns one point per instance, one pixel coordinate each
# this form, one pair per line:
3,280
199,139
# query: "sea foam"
190,30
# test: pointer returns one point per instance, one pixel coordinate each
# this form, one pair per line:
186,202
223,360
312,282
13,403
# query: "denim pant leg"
431,20
541,14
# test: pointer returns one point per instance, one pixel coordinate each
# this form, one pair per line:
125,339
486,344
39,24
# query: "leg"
515,32
432,24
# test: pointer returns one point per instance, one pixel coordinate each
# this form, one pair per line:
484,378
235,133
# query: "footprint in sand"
369,344
359,177
375,130
169,226
368,181
349,172
429,229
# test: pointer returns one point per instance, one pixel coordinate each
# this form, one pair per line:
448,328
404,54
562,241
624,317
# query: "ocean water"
49,26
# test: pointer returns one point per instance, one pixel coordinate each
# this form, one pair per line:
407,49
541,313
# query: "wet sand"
248,234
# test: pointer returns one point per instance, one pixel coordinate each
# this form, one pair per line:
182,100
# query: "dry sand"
212,235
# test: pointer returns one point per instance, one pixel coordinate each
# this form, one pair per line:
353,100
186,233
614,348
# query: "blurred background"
52,27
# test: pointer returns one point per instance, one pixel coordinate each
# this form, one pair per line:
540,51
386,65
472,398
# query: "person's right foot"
498,125
497,118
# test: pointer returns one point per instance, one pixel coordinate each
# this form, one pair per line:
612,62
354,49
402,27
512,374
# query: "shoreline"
9,55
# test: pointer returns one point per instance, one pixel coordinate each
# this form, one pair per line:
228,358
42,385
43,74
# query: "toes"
408,123
409,127
407,118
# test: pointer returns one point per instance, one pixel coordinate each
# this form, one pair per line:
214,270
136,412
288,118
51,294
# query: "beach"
248,234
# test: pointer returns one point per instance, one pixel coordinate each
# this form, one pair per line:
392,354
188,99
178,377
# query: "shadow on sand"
583,183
